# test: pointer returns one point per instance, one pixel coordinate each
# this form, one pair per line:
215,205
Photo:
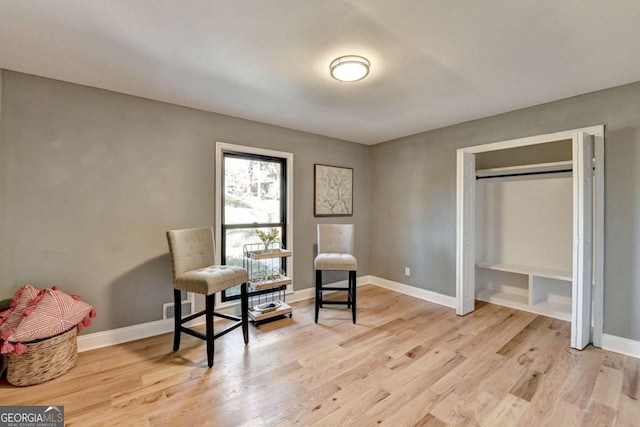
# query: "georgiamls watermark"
31,416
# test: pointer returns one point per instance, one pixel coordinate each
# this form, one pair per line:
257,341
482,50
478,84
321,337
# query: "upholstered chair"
192,259
335,252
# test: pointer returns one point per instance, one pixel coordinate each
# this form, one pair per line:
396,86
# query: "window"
252,195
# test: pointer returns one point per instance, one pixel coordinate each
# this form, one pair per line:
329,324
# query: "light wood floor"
406,362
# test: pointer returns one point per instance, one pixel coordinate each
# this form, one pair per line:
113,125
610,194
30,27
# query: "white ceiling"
434,62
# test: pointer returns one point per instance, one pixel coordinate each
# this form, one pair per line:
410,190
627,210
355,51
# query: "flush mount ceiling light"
350,68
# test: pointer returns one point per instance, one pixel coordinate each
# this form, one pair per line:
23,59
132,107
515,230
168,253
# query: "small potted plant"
268,238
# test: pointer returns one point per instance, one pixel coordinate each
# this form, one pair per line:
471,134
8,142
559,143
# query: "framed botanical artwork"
332,190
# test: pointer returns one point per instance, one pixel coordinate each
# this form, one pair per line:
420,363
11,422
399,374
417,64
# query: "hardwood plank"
546,400
582,378
502,380
303,404
548,355
413,412
527,385
429,421
351,413
608,387
628,414
499,334
471,410
506,412
526,346
358,396
566,415
466,378
405,386
631,386
598,415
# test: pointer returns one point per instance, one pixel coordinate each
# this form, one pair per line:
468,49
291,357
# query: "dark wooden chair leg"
210,300
318,292
177,318
244,306
352,286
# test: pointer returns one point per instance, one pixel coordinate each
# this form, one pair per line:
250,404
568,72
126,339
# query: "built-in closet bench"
539,290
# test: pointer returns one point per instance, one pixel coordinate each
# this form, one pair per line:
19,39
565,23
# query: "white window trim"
221,148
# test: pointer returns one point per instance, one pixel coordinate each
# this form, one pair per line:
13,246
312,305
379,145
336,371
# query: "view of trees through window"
253,199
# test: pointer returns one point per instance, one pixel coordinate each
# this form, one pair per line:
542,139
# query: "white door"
582,240
465,267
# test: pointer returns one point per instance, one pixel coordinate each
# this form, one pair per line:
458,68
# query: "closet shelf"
555,309
526,169
538,290
502,297
528,270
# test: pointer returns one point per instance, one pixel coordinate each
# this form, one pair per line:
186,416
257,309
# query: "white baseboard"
158,327
128,333
309,292
120,335
423,294
621,345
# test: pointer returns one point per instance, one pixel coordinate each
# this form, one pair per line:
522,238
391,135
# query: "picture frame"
332,191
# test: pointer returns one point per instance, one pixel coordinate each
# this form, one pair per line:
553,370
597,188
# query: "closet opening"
530,228
524,228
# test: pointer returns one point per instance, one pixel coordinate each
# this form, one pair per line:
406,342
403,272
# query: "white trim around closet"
465,265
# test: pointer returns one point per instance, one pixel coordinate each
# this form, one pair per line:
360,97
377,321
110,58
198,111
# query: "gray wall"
90,180
414,196
540,153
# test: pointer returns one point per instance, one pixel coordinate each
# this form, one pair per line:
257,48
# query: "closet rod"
524,174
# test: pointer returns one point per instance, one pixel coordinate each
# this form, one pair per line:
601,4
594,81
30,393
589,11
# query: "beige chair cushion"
192,258
212,279
344,262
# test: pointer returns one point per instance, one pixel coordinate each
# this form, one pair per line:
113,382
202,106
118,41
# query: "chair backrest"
335,238
190,249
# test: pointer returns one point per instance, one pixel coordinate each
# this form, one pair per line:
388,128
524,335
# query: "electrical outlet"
407,271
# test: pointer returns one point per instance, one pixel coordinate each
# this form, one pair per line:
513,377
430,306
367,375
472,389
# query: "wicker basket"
45,360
